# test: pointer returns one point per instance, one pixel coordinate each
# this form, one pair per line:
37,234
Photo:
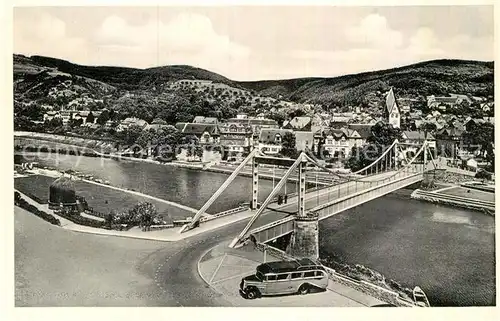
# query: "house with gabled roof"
131,121
270,140
418,137
449,141
299,124
205,120
206,133
336,141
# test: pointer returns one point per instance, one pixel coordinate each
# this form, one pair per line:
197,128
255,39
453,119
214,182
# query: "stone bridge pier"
304,242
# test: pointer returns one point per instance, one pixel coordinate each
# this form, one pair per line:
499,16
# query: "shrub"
482,174
22,203
78,219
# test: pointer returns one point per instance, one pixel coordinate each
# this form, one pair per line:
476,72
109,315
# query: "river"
448,252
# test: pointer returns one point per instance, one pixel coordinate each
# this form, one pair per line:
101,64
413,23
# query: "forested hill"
125,78
438,77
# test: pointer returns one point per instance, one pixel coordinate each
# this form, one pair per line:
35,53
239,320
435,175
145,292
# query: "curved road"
58,267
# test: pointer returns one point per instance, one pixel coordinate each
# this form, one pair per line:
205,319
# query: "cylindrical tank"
62,191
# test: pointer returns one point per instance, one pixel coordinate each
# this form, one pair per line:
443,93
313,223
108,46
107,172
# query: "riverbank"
47,143
102,196
459,197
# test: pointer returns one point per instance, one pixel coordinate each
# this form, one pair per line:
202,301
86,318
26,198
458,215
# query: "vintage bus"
284,277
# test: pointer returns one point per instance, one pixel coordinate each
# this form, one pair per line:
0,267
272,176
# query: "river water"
448,252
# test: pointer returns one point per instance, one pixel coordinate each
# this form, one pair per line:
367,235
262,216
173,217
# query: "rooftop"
286,266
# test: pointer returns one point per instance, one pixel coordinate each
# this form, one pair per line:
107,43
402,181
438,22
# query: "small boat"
420,298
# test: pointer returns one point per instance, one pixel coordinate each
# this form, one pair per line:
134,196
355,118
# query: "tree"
17,197
75,122
103,117
130,134
480,138
288,143
428,127
90,118
109,219
53,123
279,116
490,157
382,136
143,214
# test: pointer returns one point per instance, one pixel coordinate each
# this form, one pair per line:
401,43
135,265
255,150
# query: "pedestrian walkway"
166,235
222,268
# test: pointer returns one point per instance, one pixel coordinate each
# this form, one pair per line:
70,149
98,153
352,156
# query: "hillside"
59,82
127,78
438,77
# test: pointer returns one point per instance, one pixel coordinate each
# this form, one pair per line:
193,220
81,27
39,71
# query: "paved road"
57,267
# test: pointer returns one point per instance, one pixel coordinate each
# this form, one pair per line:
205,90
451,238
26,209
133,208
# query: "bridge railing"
339,204
224,213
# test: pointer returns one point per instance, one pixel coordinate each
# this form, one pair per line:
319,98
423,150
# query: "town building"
418,138
449,142
364,131
304,140
299,124
131,121
206,133
205,120
270,140
446,102
472,123
337,142
236,138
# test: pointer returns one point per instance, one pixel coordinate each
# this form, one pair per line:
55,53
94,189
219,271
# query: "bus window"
308,274
318,273
282,276
271,277
296,275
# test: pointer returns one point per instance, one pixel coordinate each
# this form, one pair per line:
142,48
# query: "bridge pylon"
305,236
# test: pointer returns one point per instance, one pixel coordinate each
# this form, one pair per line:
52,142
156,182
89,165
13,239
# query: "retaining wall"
375,291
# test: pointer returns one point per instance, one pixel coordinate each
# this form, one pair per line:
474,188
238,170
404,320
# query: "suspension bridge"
392,170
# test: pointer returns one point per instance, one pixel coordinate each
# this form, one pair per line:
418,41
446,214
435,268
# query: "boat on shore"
420,298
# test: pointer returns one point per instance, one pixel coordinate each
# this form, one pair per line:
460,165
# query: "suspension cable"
404,168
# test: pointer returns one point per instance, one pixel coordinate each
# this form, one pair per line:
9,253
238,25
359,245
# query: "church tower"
392,110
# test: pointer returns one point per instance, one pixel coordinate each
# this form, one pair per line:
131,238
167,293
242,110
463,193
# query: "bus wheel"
252,294
304,289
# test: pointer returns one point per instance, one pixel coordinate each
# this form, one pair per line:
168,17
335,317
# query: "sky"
257,42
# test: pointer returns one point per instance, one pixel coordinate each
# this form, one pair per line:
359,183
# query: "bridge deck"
341,197
315,198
